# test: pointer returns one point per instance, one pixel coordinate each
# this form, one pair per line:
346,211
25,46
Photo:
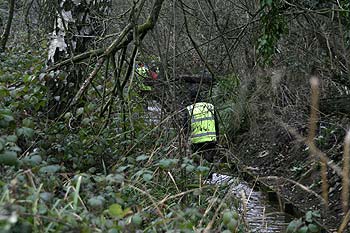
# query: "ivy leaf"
166,163
190,168
33,160
25,131
11,138
86,121
136,219
294,225
8,158
308,216
96,202
141,158
67,115
27,122
91,107
122,168
202,169
303,229
313,228
147,177
316,214
7,118
50,169
116,178
116,210
80,111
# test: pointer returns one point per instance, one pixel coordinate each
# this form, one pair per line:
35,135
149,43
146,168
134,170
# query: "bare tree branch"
123,40
4,37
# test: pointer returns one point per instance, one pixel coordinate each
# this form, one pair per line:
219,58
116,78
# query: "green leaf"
27,122
313,228
227,216
116,210
86,121
4,92
316,214
26,132
294,225
308,216
15,148
7,118
303,229
269,2
136,219
147,177
27,78
123,168
46,196
232,225
141,158
33,160
67,115
80,111
166,163
96,202
8,158
50,169
235,215
202,169
91,106
11,138
190,168
116,178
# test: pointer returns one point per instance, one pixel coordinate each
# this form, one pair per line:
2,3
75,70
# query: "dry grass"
318,155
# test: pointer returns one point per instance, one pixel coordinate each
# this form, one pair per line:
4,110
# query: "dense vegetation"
80,152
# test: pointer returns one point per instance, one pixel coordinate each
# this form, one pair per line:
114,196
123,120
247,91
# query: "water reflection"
261,215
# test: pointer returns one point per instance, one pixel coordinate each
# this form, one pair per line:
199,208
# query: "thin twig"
211,223
345,181
150,198
345,222
173,180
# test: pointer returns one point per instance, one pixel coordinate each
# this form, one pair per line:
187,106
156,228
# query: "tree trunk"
6,33
73,33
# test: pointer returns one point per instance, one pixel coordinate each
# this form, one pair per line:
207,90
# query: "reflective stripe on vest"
202,122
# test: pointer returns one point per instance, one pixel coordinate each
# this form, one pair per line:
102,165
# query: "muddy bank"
271,152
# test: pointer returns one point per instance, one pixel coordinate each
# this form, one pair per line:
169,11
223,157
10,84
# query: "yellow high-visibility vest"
202,122
142,74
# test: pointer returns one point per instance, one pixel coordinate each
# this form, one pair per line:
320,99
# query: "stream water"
261,215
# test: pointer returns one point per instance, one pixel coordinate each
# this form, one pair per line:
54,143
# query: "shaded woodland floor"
274,154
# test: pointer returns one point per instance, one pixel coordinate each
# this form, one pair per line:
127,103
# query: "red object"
154,75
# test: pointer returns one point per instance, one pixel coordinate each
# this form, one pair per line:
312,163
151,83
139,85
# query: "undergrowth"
85,173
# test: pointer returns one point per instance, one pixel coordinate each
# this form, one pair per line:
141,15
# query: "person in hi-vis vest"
201,125
142,78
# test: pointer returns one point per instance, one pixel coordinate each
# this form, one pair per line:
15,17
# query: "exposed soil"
269,149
